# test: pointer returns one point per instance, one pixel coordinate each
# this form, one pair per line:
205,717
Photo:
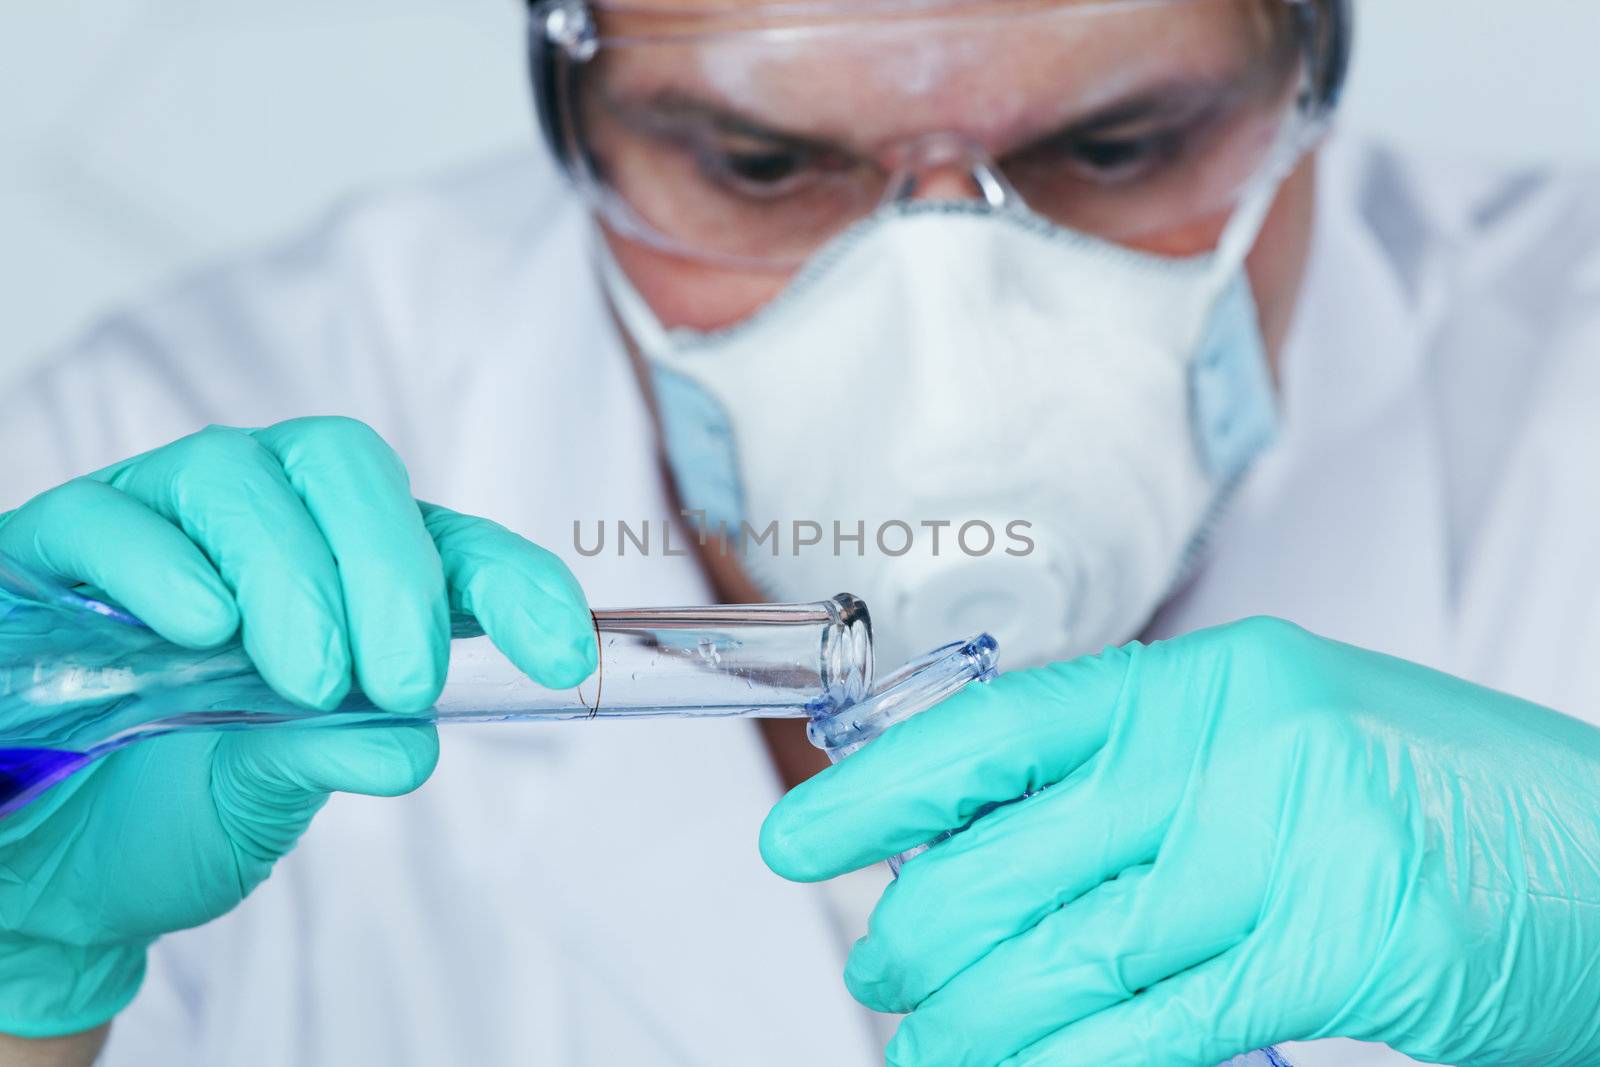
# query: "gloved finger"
84,531
1034,990
1197,1018
1130,933
267,784
230,496
1012,869
396,611
523,596
1023,861
987,744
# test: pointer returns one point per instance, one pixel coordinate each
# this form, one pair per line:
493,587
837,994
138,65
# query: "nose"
946,167
945,183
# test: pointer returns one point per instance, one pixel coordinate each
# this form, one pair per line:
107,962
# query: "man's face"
1138,123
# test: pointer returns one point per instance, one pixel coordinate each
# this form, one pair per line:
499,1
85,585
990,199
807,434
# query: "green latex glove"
305,535
1250,835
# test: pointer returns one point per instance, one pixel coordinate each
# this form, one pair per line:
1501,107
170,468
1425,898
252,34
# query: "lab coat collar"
1357,340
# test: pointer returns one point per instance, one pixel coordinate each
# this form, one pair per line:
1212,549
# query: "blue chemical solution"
27,772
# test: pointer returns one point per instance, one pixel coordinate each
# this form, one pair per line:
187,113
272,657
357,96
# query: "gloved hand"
304,534
1250,835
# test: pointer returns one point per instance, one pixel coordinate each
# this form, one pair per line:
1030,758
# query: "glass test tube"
766,660
80,679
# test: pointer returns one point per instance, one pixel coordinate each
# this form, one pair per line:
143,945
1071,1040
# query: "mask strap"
1239,236
640,323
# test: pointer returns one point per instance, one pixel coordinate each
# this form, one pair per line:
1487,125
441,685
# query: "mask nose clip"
946,166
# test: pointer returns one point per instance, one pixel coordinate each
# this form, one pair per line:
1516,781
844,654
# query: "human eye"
1123,151
1115,160
759,167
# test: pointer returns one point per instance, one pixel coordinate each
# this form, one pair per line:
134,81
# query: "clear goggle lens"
754,136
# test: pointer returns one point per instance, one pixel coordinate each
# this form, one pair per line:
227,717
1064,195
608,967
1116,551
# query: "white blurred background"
138,137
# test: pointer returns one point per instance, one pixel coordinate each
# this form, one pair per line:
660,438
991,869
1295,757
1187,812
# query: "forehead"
821,9
877,70
658,19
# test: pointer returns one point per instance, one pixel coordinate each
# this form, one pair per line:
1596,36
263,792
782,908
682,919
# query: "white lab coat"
590,894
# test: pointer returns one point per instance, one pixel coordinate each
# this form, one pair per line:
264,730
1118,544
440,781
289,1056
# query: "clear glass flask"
80,679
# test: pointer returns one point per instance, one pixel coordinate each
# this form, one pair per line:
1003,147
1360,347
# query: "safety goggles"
750,135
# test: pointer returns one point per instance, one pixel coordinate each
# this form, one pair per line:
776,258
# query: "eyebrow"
674,110
1175,99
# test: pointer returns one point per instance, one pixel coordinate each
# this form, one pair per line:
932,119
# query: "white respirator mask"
974,419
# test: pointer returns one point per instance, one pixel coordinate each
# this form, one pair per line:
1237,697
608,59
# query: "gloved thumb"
986,745
267,784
